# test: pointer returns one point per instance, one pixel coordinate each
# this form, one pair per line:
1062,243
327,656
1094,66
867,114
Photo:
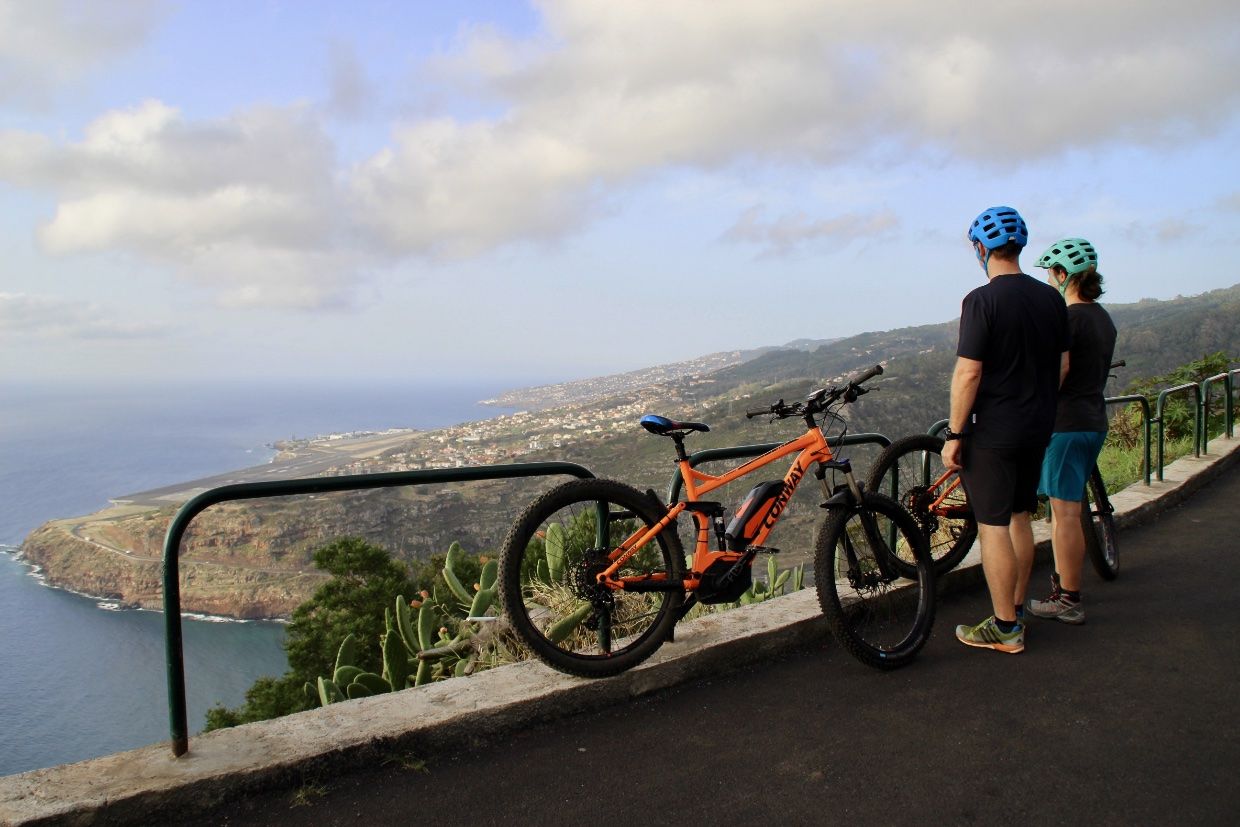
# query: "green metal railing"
1228,387
1158,417
284,488
1201,393
1146,427
715,454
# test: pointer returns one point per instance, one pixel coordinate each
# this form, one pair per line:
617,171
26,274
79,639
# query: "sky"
512,192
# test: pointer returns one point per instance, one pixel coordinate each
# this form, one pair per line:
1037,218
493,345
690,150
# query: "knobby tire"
1098,525
548,588
881,621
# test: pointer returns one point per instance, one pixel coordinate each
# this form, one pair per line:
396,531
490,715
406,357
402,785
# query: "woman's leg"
1068,542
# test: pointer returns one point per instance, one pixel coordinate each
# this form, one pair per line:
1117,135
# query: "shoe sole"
1062,617
1006,648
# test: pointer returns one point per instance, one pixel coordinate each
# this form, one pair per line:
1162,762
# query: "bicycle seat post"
679,439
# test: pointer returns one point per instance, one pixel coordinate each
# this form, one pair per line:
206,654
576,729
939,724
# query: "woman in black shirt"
1080,419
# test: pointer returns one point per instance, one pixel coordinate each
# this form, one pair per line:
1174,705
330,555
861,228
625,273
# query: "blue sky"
503,191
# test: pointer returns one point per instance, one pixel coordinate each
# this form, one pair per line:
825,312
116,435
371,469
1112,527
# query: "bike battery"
753,512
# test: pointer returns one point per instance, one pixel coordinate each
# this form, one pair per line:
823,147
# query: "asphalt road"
1129,719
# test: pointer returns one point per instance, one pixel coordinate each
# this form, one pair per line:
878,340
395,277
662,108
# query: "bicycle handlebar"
877,370
750,414
819,399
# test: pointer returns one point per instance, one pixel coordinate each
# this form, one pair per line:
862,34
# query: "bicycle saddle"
663,426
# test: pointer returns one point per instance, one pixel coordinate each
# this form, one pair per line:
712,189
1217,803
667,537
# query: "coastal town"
505,438
553,417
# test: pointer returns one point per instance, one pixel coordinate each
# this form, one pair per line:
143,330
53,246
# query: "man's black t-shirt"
1081,401
1017,327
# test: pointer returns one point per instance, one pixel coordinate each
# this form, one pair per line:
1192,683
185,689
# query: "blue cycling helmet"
998,226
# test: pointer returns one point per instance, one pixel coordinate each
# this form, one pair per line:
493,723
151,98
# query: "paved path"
1129,719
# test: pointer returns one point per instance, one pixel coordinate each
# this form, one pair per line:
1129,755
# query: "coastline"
35,572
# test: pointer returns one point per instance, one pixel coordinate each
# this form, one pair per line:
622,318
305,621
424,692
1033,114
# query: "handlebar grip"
758,412
1121,363
877,370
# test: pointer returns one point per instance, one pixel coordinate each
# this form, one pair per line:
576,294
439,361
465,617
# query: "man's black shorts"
1002,480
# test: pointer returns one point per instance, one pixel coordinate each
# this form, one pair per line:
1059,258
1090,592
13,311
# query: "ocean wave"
111,605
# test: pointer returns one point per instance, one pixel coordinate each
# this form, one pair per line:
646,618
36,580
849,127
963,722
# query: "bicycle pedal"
764,550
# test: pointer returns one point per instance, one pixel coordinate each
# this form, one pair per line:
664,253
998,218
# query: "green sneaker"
986,635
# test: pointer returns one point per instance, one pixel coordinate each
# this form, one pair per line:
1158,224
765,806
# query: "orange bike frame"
810,447
947,492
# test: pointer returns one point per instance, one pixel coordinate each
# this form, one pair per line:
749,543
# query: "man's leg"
1000,566
1021,532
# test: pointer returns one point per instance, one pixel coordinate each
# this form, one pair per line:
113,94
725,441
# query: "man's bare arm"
966,379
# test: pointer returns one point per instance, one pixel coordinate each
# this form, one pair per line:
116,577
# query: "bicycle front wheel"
1098,524
915,463
548,578
881,618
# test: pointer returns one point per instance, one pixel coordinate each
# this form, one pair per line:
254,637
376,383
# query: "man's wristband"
949,435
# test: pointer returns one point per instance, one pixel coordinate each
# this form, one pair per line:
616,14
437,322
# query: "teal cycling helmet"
998,226
1074,255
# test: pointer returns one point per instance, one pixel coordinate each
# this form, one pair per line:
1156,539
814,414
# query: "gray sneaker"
1058,607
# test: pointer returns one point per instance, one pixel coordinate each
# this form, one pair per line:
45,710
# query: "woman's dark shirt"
1081,401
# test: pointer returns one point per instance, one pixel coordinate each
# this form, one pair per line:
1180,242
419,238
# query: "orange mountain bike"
593,576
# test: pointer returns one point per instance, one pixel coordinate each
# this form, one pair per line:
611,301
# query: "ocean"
83,680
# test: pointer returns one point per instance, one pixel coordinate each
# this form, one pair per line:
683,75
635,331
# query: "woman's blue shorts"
1068,462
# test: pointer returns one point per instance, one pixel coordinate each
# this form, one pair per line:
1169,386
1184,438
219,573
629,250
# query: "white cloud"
611,92
1161,231
247,204
25,315
46,45
781,235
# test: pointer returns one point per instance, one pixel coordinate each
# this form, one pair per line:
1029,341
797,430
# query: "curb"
148,785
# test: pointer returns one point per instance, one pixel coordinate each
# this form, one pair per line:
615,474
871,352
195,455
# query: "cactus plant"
395,660
450,577
404,625
345,675
346,655
375,683
329,693
555,552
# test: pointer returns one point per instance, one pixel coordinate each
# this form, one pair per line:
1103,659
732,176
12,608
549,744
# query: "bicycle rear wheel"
1098,524
915,462
548,587
882,620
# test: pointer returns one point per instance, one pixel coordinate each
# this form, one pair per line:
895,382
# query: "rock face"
255,560
72,563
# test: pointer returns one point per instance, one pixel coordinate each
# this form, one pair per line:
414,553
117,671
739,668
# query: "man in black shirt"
1011,356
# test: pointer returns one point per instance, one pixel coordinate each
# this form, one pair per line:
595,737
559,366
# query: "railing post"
1205,407
1231,389
1162,397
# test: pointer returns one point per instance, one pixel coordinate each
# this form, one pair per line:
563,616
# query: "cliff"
69,562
